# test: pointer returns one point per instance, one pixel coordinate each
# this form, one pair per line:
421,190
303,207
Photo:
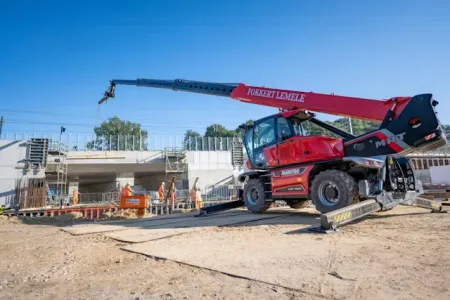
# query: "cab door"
260,143
289,143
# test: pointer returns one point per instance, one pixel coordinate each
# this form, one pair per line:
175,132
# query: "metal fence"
88,198
78,142
225,192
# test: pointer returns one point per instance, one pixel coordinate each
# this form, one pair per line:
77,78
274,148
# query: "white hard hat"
163,182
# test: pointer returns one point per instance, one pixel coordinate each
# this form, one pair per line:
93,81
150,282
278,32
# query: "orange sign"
137,201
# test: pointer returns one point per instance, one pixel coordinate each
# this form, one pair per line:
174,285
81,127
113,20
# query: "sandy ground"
384,257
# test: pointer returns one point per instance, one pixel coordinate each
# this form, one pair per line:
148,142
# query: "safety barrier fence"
221,193
95,212
79,142
87,198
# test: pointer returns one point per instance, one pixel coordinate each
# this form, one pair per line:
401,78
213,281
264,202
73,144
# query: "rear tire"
298,204
333,189
254,196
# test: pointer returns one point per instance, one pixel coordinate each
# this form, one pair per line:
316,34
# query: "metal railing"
90,198
222,193
58,146
80,142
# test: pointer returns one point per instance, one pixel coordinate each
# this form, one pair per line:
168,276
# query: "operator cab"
271,131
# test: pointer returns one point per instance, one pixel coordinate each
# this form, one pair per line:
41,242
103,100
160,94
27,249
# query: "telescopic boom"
359,108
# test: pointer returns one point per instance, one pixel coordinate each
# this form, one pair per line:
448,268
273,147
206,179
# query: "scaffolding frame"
176,166
57,171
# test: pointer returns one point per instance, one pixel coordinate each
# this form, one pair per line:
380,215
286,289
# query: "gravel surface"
385,257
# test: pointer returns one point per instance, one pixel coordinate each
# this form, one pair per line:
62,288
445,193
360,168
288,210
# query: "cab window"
249,143
264,133
283,129
298,128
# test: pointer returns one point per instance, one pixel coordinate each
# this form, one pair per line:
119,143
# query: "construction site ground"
399,254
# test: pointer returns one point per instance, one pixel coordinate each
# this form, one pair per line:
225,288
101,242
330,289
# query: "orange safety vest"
75,196
126,191
161,192
193,195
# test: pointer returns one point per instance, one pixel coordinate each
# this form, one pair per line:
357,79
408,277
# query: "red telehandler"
346,178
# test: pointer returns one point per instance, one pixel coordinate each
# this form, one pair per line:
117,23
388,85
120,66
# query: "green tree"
120,135
361,126
240,131
313,129
446,128
217,130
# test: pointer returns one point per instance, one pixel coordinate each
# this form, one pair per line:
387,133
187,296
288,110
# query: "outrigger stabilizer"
331,221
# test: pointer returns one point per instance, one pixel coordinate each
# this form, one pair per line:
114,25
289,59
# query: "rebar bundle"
31,193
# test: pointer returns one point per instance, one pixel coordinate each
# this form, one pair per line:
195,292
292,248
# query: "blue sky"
57,57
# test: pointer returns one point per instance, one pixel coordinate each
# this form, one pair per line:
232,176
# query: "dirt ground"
383,257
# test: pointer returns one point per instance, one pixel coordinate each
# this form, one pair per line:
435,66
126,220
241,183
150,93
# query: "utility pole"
350,125
59,177
1,125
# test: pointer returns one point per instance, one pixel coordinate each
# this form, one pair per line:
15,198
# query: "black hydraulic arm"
332,128
210,88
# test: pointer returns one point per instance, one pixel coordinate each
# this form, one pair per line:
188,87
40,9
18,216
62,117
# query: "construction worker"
173,196
198,199
127,190
192,194
75,194
161,191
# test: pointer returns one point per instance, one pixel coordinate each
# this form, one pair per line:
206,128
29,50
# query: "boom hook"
110,93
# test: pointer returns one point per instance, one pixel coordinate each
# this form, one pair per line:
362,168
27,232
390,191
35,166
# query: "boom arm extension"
215,89
360,108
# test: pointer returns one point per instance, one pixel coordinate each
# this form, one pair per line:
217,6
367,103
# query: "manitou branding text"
389,140
299,97
290,172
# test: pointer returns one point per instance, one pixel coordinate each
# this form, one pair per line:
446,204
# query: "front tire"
333,189
254,196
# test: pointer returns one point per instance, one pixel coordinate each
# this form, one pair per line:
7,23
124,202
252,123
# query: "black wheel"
254,196
332,189
297,204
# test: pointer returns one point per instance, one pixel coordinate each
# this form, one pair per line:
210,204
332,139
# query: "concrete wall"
423,175
114,157
83,162
152,182
440,175
12,162
209,166
97,187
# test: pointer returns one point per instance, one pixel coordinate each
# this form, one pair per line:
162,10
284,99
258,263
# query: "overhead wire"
168,125
161,125
37,112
